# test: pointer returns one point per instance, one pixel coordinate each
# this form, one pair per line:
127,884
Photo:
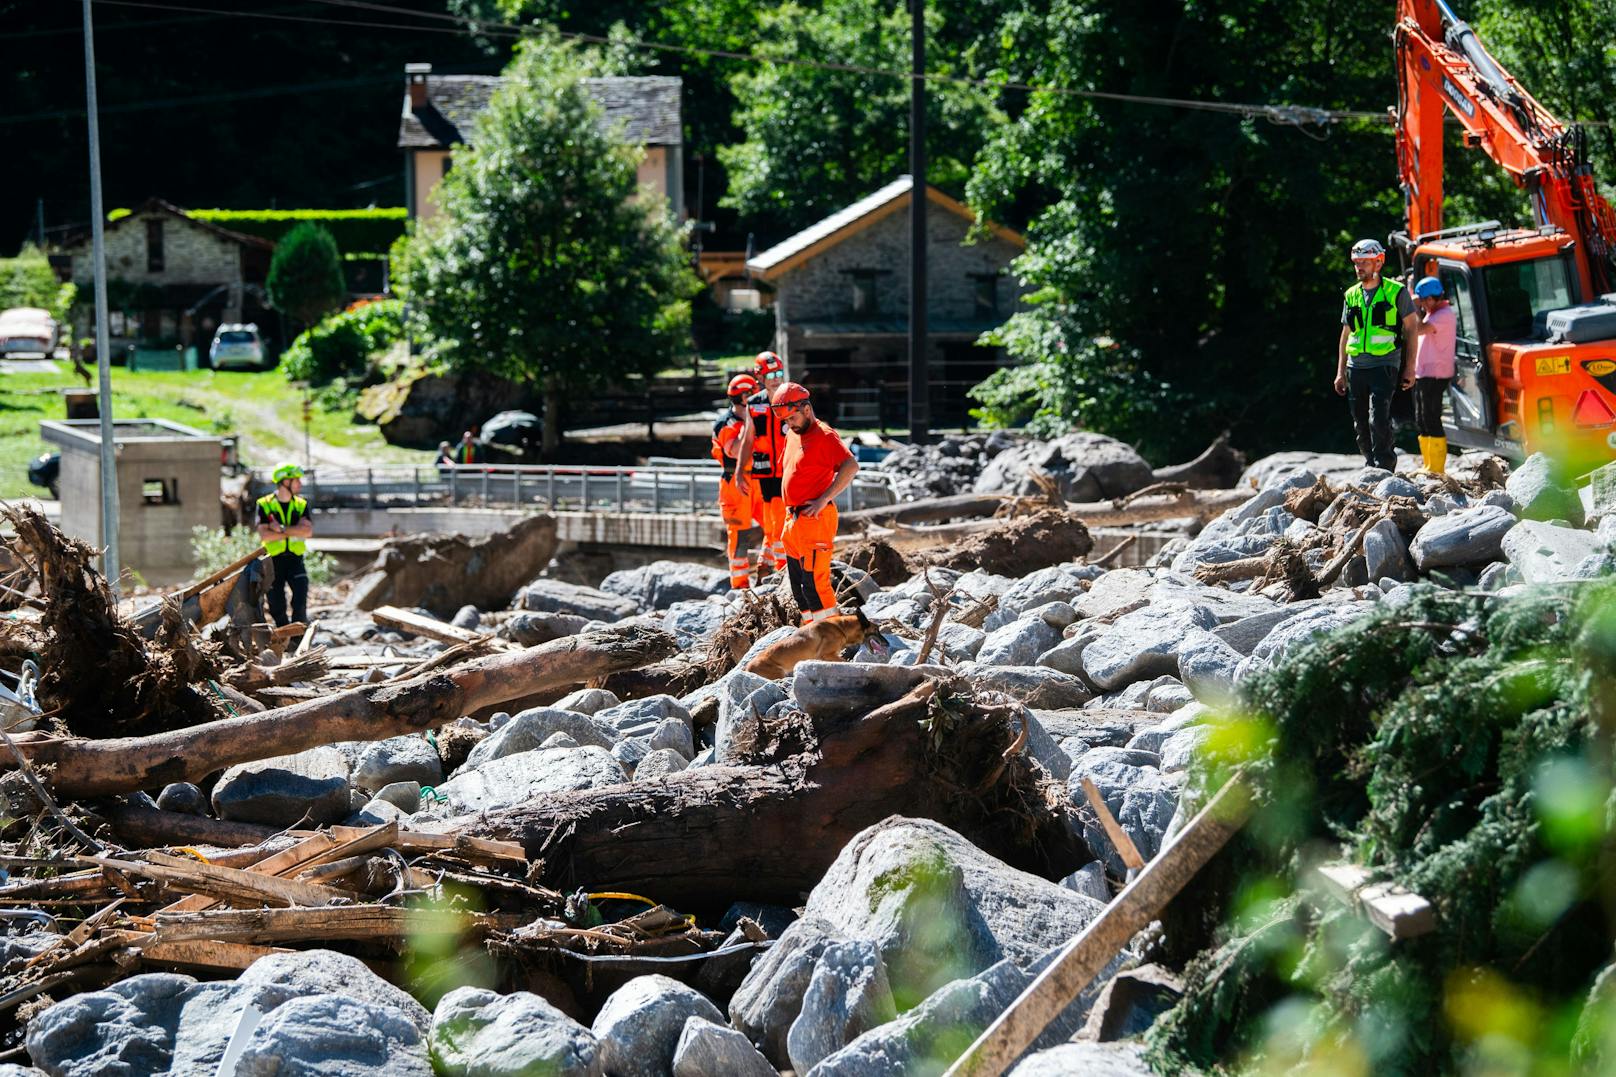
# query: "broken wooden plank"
206,954
465,845
182,873
1399,912
285,862
1119,837
1004,1041
312,925
307,640
430,628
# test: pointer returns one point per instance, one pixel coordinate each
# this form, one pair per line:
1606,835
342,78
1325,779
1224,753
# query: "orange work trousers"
808,542
772,514
740,512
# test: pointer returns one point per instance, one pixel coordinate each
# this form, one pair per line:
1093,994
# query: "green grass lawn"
263,409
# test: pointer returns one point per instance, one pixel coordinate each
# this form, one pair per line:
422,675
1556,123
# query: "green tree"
305,274
28,281
817,139
546,263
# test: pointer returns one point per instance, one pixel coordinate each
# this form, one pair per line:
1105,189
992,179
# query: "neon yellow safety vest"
288,514
1375,328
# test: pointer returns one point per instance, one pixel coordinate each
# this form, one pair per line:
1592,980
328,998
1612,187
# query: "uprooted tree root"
885,564
1022,544
761,612
99,677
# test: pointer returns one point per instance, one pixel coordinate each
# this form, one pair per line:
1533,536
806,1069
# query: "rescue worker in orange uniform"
763,444
817,468
737,495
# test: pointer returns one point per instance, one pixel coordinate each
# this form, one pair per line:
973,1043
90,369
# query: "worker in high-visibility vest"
763,443
1377,315
818,467
284,528
738,501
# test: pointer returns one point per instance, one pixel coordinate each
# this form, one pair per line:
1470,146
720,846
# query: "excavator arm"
1442,66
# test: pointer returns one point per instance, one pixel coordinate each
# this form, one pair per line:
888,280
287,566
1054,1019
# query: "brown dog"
824,640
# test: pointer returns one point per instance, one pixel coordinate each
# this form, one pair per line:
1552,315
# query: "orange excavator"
1536,315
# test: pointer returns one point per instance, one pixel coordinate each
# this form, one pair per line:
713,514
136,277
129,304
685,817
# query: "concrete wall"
153,539
191,254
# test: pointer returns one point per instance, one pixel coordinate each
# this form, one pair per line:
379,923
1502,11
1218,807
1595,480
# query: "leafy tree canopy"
544,263
305,274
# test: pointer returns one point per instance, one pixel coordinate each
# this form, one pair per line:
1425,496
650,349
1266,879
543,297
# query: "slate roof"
647,106
847,222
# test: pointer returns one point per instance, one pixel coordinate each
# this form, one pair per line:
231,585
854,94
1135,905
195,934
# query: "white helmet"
1368,248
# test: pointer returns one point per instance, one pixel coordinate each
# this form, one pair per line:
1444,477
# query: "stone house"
171,279
842,298
440,110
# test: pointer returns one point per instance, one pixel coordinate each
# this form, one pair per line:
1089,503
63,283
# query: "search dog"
826,640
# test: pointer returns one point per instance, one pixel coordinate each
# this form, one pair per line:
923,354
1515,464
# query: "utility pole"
111,567
39,220
919,372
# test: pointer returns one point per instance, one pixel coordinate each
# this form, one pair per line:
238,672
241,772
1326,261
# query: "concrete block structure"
841,305
168,483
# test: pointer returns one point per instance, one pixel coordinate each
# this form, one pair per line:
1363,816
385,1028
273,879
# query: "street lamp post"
110,565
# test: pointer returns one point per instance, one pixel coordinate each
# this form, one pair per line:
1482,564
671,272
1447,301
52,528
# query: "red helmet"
742,385
769,363
789,393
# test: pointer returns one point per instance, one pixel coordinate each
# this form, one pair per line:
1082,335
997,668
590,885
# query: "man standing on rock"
817,468
738,502
1376,316
284,528
763,443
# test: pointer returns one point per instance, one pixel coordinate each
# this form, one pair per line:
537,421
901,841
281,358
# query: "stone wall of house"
191,254
821,288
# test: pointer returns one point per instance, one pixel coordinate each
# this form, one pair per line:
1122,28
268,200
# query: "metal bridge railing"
665,486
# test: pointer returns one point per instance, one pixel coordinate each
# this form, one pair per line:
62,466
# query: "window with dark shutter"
987,294
154,246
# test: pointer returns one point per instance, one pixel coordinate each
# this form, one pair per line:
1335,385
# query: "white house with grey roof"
841,305
440,110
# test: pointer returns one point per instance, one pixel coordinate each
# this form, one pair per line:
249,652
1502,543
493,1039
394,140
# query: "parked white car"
236,347
27,331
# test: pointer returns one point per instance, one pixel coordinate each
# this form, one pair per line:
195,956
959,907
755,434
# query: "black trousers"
1428,394
289,572
1370,391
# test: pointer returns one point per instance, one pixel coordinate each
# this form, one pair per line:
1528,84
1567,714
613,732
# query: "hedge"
372,229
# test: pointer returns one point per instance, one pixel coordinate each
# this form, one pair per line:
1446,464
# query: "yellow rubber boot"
1425,452
1439,455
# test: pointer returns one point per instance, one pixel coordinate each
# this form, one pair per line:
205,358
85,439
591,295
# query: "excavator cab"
1535,364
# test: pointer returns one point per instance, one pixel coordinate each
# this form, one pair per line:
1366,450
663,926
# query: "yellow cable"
189,851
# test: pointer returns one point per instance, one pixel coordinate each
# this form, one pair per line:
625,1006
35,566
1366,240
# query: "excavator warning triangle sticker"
1591,410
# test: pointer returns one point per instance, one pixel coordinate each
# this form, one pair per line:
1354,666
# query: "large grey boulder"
1035,686
334,1036
659,764
1086,466
1293,633
1544,553
398,759
326,972
1207,665
640,717
672,734
662,583
693,622
1140,798
1018,643
481,1032
145,1024
511,779
1277,468
847,995
1056,583
587,701
532,629
1226,606
706,1049
640,1025
183,797
530,729
743,699
284,789
769,999
556,596
1470,536
839,689
1245,633
1117,592
1143,644
938,906
1541,492
1385,553
1088,1059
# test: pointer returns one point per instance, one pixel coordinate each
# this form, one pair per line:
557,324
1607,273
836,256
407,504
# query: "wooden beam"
1119,837
1004,1041
1400,913
431,628
319,925
182,873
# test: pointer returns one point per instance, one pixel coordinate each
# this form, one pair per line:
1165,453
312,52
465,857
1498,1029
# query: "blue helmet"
1428,288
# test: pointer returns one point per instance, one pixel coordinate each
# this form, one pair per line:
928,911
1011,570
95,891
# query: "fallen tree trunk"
374,712
928,510
1217,468
768,828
